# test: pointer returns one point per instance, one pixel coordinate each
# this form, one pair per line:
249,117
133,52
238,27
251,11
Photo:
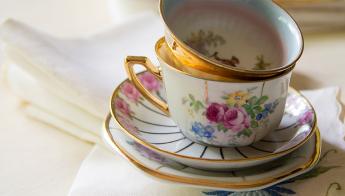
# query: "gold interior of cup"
165,55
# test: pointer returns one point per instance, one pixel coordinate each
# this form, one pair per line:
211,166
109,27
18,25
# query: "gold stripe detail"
154,148
218,183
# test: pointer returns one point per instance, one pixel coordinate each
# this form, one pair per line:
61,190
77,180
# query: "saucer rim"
211,182
168,153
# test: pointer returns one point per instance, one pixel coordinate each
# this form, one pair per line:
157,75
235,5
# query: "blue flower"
265,113
208,132
268,106
198,128
259,116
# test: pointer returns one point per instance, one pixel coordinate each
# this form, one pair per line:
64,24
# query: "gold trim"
216,183
152,147
144,61
172,63
191,57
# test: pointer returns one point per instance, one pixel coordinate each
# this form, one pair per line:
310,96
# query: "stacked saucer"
151,141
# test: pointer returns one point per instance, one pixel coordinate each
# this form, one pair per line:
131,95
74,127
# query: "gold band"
144,61
216,183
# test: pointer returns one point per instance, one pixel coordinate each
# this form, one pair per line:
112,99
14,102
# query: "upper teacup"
232,38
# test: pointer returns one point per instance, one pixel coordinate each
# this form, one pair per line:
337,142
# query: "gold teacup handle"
144,61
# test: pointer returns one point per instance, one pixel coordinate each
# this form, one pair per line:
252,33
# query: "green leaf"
220,127
251,113
253,100
225,97
191,97
257,109
245,132
201,105
254,124
196,107
262,100
247,107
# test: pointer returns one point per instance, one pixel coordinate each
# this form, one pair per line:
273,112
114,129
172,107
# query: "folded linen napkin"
104,173
67,83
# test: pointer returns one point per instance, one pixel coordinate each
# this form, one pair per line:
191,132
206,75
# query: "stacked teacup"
222,84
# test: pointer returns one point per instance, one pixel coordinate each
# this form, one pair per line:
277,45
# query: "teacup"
211,109
232,38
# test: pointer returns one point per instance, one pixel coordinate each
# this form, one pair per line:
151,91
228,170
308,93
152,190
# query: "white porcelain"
242,35
259,177
147,125
239,113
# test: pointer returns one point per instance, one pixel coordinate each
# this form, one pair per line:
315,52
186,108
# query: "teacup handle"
144,61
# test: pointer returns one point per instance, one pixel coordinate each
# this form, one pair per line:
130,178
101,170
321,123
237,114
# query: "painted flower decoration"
238,98
126,123
236,119
129,90
122,106
203,131
233,120
148,153
215,112
307,117
150,81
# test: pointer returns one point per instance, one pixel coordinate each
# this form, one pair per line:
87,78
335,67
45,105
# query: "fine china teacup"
211,109
255,38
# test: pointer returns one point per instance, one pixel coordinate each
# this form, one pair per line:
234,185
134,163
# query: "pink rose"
128,125
306,117
122,106
236,119
215,112
149,81
130,92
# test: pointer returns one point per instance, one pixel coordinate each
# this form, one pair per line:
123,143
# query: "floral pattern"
202,40
306,118
129,90
150,82
147,153
130,93
237,116
122,107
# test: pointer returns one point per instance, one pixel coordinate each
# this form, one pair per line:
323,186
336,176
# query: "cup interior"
249,35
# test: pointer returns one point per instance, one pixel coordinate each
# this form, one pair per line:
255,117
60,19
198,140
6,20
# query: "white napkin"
104,173
67,83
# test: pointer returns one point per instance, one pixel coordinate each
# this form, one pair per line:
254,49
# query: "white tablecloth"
36,159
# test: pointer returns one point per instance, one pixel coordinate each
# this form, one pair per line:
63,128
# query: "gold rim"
195,73
216,183
221,69
154,148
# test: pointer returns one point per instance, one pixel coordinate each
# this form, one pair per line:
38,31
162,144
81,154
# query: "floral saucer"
259,177
146,125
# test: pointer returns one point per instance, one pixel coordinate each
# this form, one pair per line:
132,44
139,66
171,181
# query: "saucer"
259,177
148,126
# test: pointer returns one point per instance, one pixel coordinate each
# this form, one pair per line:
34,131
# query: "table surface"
36,159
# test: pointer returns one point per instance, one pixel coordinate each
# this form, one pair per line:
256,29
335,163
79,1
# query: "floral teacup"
214,112
252,38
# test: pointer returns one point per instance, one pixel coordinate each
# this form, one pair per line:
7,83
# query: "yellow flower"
237,98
